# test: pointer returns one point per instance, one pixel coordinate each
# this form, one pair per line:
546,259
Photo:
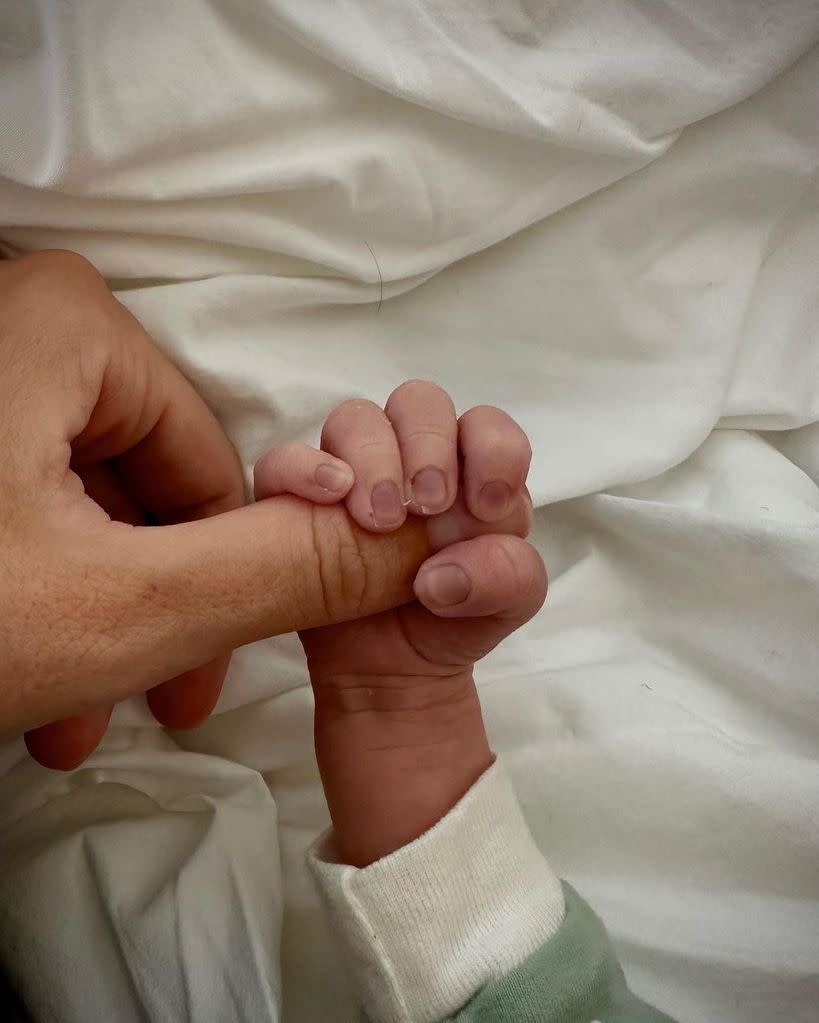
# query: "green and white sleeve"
469,924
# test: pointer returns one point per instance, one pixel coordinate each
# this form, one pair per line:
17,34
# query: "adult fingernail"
494,498
385,502
429,488
443,585
335,478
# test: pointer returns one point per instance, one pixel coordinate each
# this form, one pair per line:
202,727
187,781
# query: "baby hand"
399,732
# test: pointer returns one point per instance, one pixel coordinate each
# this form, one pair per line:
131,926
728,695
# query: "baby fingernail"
429,488
334,478
495,498
386,504
443,585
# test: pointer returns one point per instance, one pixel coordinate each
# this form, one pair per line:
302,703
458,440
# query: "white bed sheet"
604,217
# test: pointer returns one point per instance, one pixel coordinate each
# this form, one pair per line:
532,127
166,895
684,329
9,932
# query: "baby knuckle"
518,447
410,389
344,417
538,574
520,441
354,407
479,412
523,566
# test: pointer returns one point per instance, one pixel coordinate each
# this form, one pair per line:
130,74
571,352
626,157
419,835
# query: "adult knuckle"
54,296
342,567
63,261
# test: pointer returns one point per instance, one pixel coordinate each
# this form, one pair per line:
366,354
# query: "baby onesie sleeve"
469,923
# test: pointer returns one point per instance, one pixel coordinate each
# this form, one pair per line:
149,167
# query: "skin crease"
101,433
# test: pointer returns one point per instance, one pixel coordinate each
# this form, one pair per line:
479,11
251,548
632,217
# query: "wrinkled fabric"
602,216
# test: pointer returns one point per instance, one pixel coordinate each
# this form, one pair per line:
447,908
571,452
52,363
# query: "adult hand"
100,435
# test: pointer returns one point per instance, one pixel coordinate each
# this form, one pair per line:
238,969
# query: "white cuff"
429,925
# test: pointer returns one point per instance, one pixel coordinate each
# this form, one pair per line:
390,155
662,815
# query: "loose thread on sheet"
380,278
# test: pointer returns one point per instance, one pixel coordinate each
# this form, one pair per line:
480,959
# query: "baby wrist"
391,772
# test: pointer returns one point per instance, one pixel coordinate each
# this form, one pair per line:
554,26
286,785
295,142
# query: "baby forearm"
395,756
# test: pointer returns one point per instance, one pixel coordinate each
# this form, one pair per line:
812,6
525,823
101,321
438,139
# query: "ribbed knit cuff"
428,926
